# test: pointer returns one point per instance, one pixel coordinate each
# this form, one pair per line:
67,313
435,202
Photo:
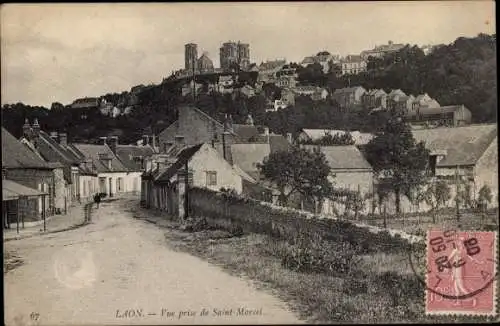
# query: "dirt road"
119,270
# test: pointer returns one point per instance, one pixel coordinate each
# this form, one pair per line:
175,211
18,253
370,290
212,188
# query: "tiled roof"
272,64
245,132
12,190
343,157
352,58
426,111
360,138
246,156
93,151
347,89
182,159
464,145
126,154
16,155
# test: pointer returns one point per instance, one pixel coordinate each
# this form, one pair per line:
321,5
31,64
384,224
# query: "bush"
313,254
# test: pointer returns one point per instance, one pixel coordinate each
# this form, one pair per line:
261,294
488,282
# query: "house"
460,156
349,172
114,177
381,50
404,103
268,70
247,90
286,81
350,97
25,167
374,98
452,115
193,127
314,92
393,98
80,178
277,105
467,152
206,168
324,58
288,96
352,65
308,135
288,70
247,155
425,101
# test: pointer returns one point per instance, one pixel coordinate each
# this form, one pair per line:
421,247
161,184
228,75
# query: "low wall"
252,216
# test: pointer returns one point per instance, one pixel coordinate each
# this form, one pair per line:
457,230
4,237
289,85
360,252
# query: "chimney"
105,159
153,141
27,129
63,139
226,147
145,140
179,141
35,132
113,143
266,134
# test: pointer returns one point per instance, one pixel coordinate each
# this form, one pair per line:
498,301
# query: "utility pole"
186,200
456,194
194,81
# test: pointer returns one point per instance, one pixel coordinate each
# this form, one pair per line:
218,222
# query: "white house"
113,176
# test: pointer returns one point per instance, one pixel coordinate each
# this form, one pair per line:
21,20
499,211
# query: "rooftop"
343,157
464,145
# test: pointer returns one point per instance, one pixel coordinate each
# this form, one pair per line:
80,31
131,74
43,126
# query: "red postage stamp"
461,272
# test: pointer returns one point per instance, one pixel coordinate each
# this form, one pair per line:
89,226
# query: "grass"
418,224
381,288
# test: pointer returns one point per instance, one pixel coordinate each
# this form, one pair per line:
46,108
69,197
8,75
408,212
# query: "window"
211,178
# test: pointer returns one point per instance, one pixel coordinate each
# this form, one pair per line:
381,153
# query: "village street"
120,270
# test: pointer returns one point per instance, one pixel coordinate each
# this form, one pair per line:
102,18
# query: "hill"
463,72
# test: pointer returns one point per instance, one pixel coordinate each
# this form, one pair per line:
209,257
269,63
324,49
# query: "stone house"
461,156
54,148
452,115
350,97
352,65
315,93
113,176
374,98
206,168
23,166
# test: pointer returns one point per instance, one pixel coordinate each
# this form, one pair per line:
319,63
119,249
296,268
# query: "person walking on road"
97,199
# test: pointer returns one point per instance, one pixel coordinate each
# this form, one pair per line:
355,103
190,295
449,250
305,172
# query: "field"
343,275
418,224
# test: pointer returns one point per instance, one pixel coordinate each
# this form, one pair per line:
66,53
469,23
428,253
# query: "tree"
484,197
395,156
437,195
298,171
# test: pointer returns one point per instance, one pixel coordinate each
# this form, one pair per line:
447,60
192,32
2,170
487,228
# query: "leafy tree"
437,195
395,156
298,171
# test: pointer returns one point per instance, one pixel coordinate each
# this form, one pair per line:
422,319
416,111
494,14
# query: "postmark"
461,271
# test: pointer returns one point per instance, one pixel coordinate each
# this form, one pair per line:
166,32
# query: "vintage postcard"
249,163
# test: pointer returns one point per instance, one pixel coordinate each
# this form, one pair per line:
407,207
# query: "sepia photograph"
228,163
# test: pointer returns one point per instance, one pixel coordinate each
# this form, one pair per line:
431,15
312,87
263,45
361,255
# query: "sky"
60,52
